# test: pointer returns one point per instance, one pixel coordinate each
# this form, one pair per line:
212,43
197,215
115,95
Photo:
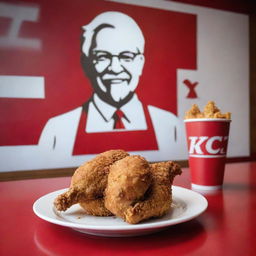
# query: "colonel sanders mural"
112,57
122,82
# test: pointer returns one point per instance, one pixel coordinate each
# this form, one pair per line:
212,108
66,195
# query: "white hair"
115,20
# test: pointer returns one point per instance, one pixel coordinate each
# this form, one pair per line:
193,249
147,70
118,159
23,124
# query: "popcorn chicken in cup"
207,139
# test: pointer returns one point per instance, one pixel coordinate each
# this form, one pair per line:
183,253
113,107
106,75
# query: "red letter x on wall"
191,86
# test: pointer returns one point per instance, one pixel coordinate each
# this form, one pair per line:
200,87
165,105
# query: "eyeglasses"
106,57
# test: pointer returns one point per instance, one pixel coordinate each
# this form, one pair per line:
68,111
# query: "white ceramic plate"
187,205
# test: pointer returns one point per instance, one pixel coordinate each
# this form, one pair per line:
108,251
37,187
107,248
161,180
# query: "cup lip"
207,120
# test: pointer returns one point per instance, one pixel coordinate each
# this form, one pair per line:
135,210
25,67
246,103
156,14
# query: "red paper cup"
207,140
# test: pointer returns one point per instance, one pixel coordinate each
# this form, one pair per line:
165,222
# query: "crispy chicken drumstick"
88,184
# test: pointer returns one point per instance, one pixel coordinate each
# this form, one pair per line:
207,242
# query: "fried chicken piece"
128,181
89,180
158,199
157,202
136,192
227,115
194,112
96,207
210,109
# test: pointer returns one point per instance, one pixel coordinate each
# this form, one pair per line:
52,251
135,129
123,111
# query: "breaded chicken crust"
210,111
89,182
128,181
95,207
137,191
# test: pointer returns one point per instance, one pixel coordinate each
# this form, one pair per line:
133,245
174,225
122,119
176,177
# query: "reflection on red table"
228,226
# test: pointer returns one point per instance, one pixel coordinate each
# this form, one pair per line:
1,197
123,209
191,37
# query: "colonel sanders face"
116,61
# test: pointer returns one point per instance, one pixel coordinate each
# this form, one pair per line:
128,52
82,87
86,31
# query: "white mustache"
121,76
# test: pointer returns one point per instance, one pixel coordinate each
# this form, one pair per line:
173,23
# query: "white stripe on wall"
22,87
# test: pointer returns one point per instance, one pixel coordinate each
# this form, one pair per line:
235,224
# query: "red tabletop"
228,226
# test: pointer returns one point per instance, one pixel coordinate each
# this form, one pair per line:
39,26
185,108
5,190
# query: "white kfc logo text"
204,145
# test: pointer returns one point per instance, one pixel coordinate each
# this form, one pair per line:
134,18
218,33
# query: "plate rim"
135,227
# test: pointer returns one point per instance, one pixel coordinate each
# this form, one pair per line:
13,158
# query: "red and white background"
193,54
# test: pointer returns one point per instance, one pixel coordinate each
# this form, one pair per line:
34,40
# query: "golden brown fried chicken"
194,112
137,191
128,181
210,111
89,182
158,199
227,115
95,207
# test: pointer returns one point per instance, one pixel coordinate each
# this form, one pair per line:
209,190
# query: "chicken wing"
89,181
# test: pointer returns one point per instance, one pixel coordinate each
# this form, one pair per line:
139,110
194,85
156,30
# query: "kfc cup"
207,140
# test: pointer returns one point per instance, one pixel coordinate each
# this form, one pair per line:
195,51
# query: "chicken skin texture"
194,112
158,200
210,111
137,191
128,182
95,207
89,182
